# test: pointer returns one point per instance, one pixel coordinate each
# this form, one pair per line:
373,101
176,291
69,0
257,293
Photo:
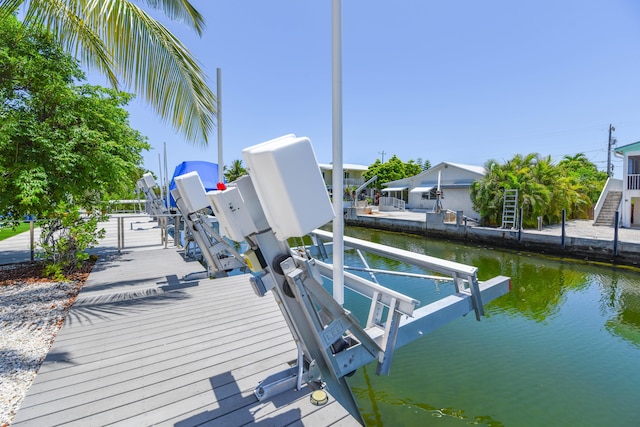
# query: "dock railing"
123,225
391,204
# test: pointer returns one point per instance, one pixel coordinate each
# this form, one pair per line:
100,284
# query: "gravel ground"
32,311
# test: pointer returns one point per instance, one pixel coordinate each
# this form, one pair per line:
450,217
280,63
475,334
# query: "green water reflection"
562,348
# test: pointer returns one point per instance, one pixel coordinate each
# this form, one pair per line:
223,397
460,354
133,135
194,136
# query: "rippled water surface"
561,349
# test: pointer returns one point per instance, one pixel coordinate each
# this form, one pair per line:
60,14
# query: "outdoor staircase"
510,209
607,215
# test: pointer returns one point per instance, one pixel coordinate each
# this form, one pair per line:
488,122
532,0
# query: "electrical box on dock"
234,219
192,192
148,180
289,185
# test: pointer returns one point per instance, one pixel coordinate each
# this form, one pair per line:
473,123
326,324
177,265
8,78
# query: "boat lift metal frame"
146,184
331,343
218,256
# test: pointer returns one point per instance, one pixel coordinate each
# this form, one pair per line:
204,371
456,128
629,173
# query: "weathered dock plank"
146,344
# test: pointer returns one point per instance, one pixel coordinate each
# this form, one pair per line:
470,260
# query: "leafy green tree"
58,140
235,171
392,170
424,165
487,193
63,146
412,168
128,46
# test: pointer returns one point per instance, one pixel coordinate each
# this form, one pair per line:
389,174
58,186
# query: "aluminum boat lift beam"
283,197
146,184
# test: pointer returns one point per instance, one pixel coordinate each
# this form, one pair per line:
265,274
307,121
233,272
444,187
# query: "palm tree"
235,171
122,41
587,181
487,193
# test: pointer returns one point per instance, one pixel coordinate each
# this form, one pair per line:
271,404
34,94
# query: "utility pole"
382,154
612,142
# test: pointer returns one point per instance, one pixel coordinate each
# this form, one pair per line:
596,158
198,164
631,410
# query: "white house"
630,184
353,175
420,191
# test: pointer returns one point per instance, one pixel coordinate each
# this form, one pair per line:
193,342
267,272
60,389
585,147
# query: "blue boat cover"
207,171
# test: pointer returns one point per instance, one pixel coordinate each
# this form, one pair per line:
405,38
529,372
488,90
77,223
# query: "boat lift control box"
289,185
148,180
192,192
234,219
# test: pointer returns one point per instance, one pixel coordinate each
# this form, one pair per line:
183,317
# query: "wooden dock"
148,342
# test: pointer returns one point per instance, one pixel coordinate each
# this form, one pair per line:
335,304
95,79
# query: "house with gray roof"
453,180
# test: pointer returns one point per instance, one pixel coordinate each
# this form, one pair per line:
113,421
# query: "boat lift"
218,255
284,197
146,184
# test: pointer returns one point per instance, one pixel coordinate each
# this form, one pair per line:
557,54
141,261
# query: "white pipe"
160,176
166,174
337,178
219,116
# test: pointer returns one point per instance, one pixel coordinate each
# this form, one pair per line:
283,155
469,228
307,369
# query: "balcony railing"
353,182
633,182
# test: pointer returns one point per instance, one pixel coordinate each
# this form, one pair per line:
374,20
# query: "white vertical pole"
160,176
219,116
337,178
166,176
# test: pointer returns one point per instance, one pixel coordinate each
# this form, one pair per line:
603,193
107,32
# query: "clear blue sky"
460,81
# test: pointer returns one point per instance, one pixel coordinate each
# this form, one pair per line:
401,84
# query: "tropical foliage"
63,146
66,236
128,46
584,175
392,170
544,189
235,171
59,141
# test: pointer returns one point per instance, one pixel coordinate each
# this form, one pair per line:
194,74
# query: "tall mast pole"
219,117
166,175
337,178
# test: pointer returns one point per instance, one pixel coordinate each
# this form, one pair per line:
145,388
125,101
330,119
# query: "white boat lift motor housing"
289,185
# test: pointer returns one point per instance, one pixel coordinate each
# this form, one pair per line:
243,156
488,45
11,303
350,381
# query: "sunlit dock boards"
144,346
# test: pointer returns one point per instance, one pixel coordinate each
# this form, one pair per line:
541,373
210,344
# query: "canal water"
561,349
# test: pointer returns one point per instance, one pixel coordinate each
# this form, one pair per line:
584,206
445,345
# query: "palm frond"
152,60
64,20
180,10
123,42
9,7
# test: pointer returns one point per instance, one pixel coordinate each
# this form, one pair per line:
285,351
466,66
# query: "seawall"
600,249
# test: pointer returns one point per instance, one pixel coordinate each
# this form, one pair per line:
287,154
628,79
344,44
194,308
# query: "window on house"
432,194
634,165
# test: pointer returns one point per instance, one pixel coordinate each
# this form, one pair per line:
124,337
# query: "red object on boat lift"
221,186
